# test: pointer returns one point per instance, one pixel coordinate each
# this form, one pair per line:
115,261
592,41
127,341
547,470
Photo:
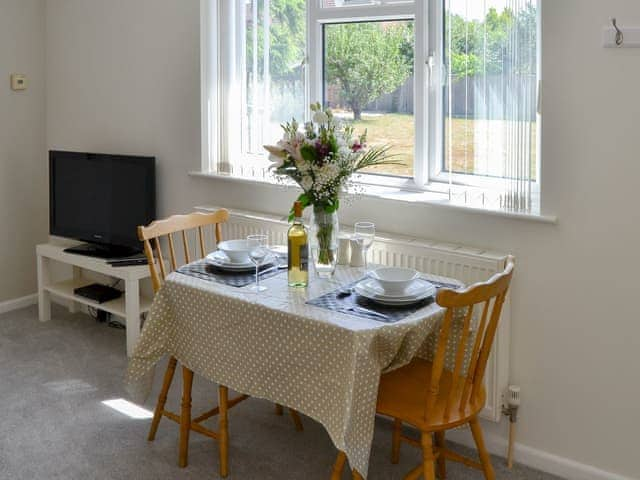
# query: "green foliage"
367,60
287,39
479,47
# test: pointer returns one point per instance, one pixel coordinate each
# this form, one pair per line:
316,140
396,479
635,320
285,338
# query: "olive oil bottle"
298,250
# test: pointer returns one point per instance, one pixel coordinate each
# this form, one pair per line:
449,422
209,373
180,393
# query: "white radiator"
466,264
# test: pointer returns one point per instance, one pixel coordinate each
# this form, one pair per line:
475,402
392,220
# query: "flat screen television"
101,199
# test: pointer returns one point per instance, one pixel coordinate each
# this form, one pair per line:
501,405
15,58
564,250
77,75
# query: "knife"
365,311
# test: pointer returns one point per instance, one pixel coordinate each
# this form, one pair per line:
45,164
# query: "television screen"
100,198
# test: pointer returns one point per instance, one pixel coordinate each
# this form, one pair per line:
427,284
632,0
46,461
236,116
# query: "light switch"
18,82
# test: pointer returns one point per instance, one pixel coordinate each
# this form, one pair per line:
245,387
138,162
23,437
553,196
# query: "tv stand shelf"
117,307
130,306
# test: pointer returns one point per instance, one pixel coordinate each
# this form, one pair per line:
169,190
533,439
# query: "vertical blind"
490,98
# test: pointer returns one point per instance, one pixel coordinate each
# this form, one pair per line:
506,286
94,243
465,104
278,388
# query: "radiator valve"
513,402
511,410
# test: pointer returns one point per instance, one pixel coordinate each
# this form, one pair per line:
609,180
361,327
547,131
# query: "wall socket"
18,82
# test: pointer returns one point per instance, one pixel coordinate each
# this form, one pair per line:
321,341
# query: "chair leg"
279,409
476,430
415,473
162,398
355,475
336,473
223,430
442,462
185,417
296,419
428,464
395,440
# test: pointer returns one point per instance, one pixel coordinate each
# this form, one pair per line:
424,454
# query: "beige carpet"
55,376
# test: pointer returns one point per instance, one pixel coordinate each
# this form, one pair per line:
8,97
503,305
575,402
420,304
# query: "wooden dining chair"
158,238
434,399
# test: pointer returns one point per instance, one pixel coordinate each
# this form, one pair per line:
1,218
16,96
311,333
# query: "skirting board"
18,303
538,459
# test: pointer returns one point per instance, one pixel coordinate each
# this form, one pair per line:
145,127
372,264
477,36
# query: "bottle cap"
297,209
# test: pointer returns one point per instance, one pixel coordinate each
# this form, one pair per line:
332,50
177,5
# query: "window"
368,81
273,80
489,118
451,85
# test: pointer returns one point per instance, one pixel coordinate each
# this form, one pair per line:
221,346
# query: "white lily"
320,117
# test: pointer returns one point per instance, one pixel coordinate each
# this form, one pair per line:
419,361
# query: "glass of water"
364,234
259,254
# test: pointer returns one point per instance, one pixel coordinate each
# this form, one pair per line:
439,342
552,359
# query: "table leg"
44,297
132,309
223,430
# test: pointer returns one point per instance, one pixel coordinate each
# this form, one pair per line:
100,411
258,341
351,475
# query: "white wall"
123,76
23,163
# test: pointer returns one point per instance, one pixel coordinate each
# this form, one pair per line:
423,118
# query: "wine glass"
365,233
258,253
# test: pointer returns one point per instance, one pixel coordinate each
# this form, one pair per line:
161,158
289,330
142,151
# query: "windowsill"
393,193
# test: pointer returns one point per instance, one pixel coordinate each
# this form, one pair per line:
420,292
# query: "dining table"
319,350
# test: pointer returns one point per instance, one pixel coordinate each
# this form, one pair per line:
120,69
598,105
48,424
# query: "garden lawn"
398,130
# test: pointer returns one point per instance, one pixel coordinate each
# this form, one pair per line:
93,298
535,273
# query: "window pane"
274,91
368,71
345,3
352,3
490,97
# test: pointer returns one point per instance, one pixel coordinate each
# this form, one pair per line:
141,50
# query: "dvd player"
98,293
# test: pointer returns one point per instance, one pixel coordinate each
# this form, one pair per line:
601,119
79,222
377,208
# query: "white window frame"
319,16
210,111
438,177
222,91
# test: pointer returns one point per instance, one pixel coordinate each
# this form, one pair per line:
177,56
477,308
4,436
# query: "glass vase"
323,242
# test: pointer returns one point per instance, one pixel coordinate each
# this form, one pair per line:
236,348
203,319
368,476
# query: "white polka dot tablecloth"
274,346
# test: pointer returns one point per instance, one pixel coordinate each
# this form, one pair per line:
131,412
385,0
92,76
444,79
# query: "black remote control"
128,262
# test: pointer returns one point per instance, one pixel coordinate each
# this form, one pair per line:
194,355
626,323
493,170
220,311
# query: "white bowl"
236,250
394,280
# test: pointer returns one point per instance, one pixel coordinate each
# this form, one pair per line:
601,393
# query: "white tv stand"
130,306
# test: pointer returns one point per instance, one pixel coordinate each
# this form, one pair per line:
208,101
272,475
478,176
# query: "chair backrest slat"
172,252
438,361
218,233
474,356
201,238
185,243
487,343
152,235
160,257
491,295
460,354
155,278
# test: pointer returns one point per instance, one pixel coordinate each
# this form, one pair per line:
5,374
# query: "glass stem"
257,278
366,263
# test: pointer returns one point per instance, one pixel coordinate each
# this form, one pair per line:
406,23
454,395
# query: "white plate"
390,303
219,257
281,251
416,289
232,268
219,260
372,294
395,303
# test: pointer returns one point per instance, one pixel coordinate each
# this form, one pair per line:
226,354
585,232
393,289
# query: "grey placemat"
346,300
205,270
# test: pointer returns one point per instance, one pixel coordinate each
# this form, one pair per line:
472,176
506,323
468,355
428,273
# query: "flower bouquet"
321,158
